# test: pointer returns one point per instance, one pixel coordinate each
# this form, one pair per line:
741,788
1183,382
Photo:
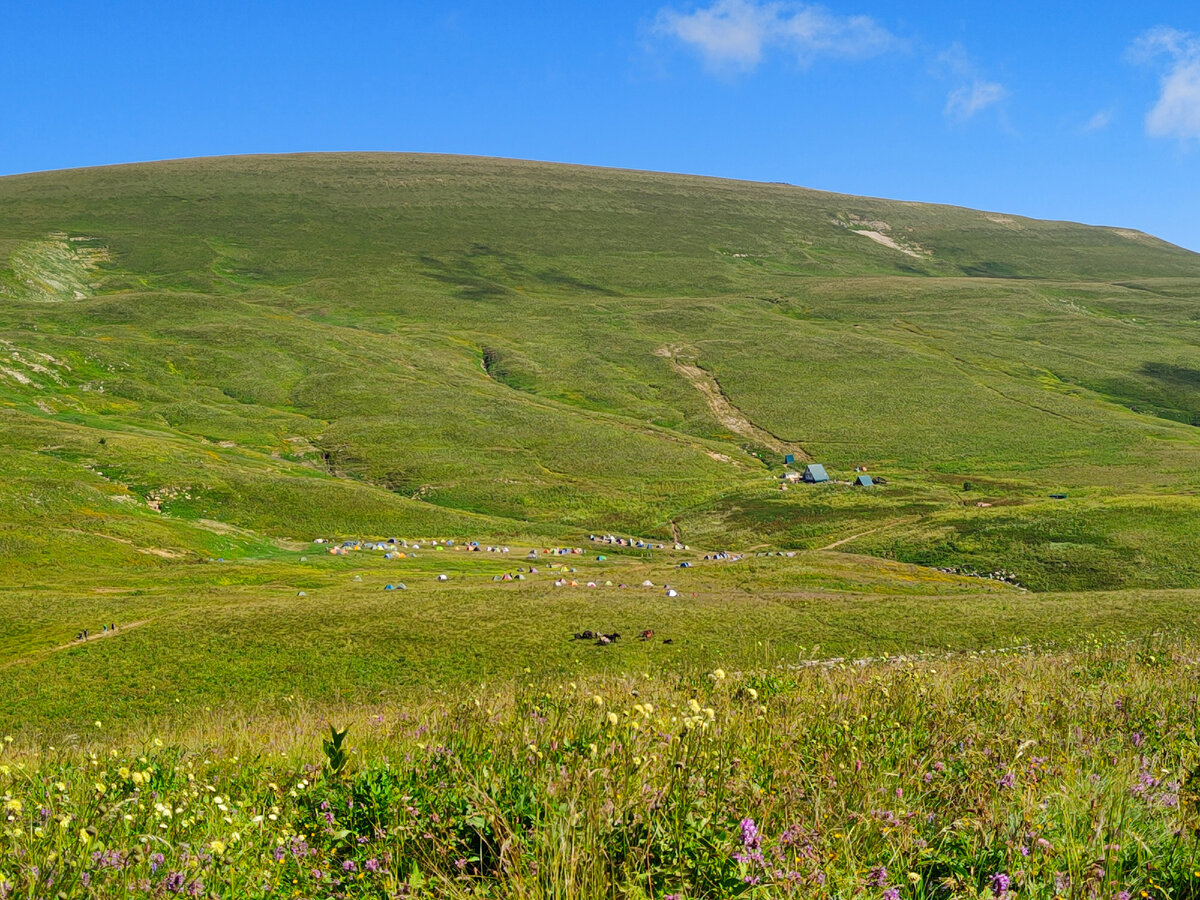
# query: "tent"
864,481
814,473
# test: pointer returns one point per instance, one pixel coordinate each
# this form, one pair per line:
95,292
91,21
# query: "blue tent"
815,472
864,481
789,459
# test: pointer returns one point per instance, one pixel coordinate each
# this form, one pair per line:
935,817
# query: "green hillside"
207,364
369,344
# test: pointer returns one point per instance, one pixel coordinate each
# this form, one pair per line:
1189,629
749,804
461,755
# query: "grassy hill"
206,364
371,343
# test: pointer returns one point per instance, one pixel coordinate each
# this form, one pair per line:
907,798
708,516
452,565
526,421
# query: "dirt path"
726,413
121,629
855,537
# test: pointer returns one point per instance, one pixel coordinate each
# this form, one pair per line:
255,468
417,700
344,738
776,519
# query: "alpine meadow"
397,525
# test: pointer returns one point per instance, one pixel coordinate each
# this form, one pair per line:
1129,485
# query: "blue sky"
1055,110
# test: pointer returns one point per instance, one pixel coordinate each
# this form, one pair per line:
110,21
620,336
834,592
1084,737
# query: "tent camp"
815,472
864,481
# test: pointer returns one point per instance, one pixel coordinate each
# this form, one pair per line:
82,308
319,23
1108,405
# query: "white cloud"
972,92
969,99
736,33
1177,112
1099,121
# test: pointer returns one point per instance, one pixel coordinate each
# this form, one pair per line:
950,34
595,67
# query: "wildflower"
598,700
751,839
718,675
1008,780
612,718
999,884
173,883
752,693
349,866
156,860
877,877
371,865
892,893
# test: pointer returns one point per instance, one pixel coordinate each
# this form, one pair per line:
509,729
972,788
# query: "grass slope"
223,359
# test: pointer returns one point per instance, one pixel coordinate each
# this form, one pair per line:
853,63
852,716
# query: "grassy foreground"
1062,774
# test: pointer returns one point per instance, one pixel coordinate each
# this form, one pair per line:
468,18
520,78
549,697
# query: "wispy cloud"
1177,112
735,34
969,99
1099,121
973,92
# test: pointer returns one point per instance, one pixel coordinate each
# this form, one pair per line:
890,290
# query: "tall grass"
1027,775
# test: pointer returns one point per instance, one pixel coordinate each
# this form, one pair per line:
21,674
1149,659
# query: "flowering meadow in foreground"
1041,775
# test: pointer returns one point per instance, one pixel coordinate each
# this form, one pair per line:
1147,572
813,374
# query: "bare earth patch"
724,411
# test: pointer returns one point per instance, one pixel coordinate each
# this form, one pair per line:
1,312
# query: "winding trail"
855,537
121,629
724,411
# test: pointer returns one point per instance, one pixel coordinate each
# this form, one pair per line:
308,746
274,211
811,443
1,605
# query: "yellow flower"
123,771
718,675
14,805
612,718
752,693
217,847
598,700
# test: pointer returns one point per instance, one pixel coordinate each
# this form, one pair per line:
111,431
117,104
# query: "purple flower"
349,866
156,860
1000,883
173,883
371,865
751,839
277,854
195,888
317,874
892,893
86,878
1121,895
1137,738
877,877
1008,780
